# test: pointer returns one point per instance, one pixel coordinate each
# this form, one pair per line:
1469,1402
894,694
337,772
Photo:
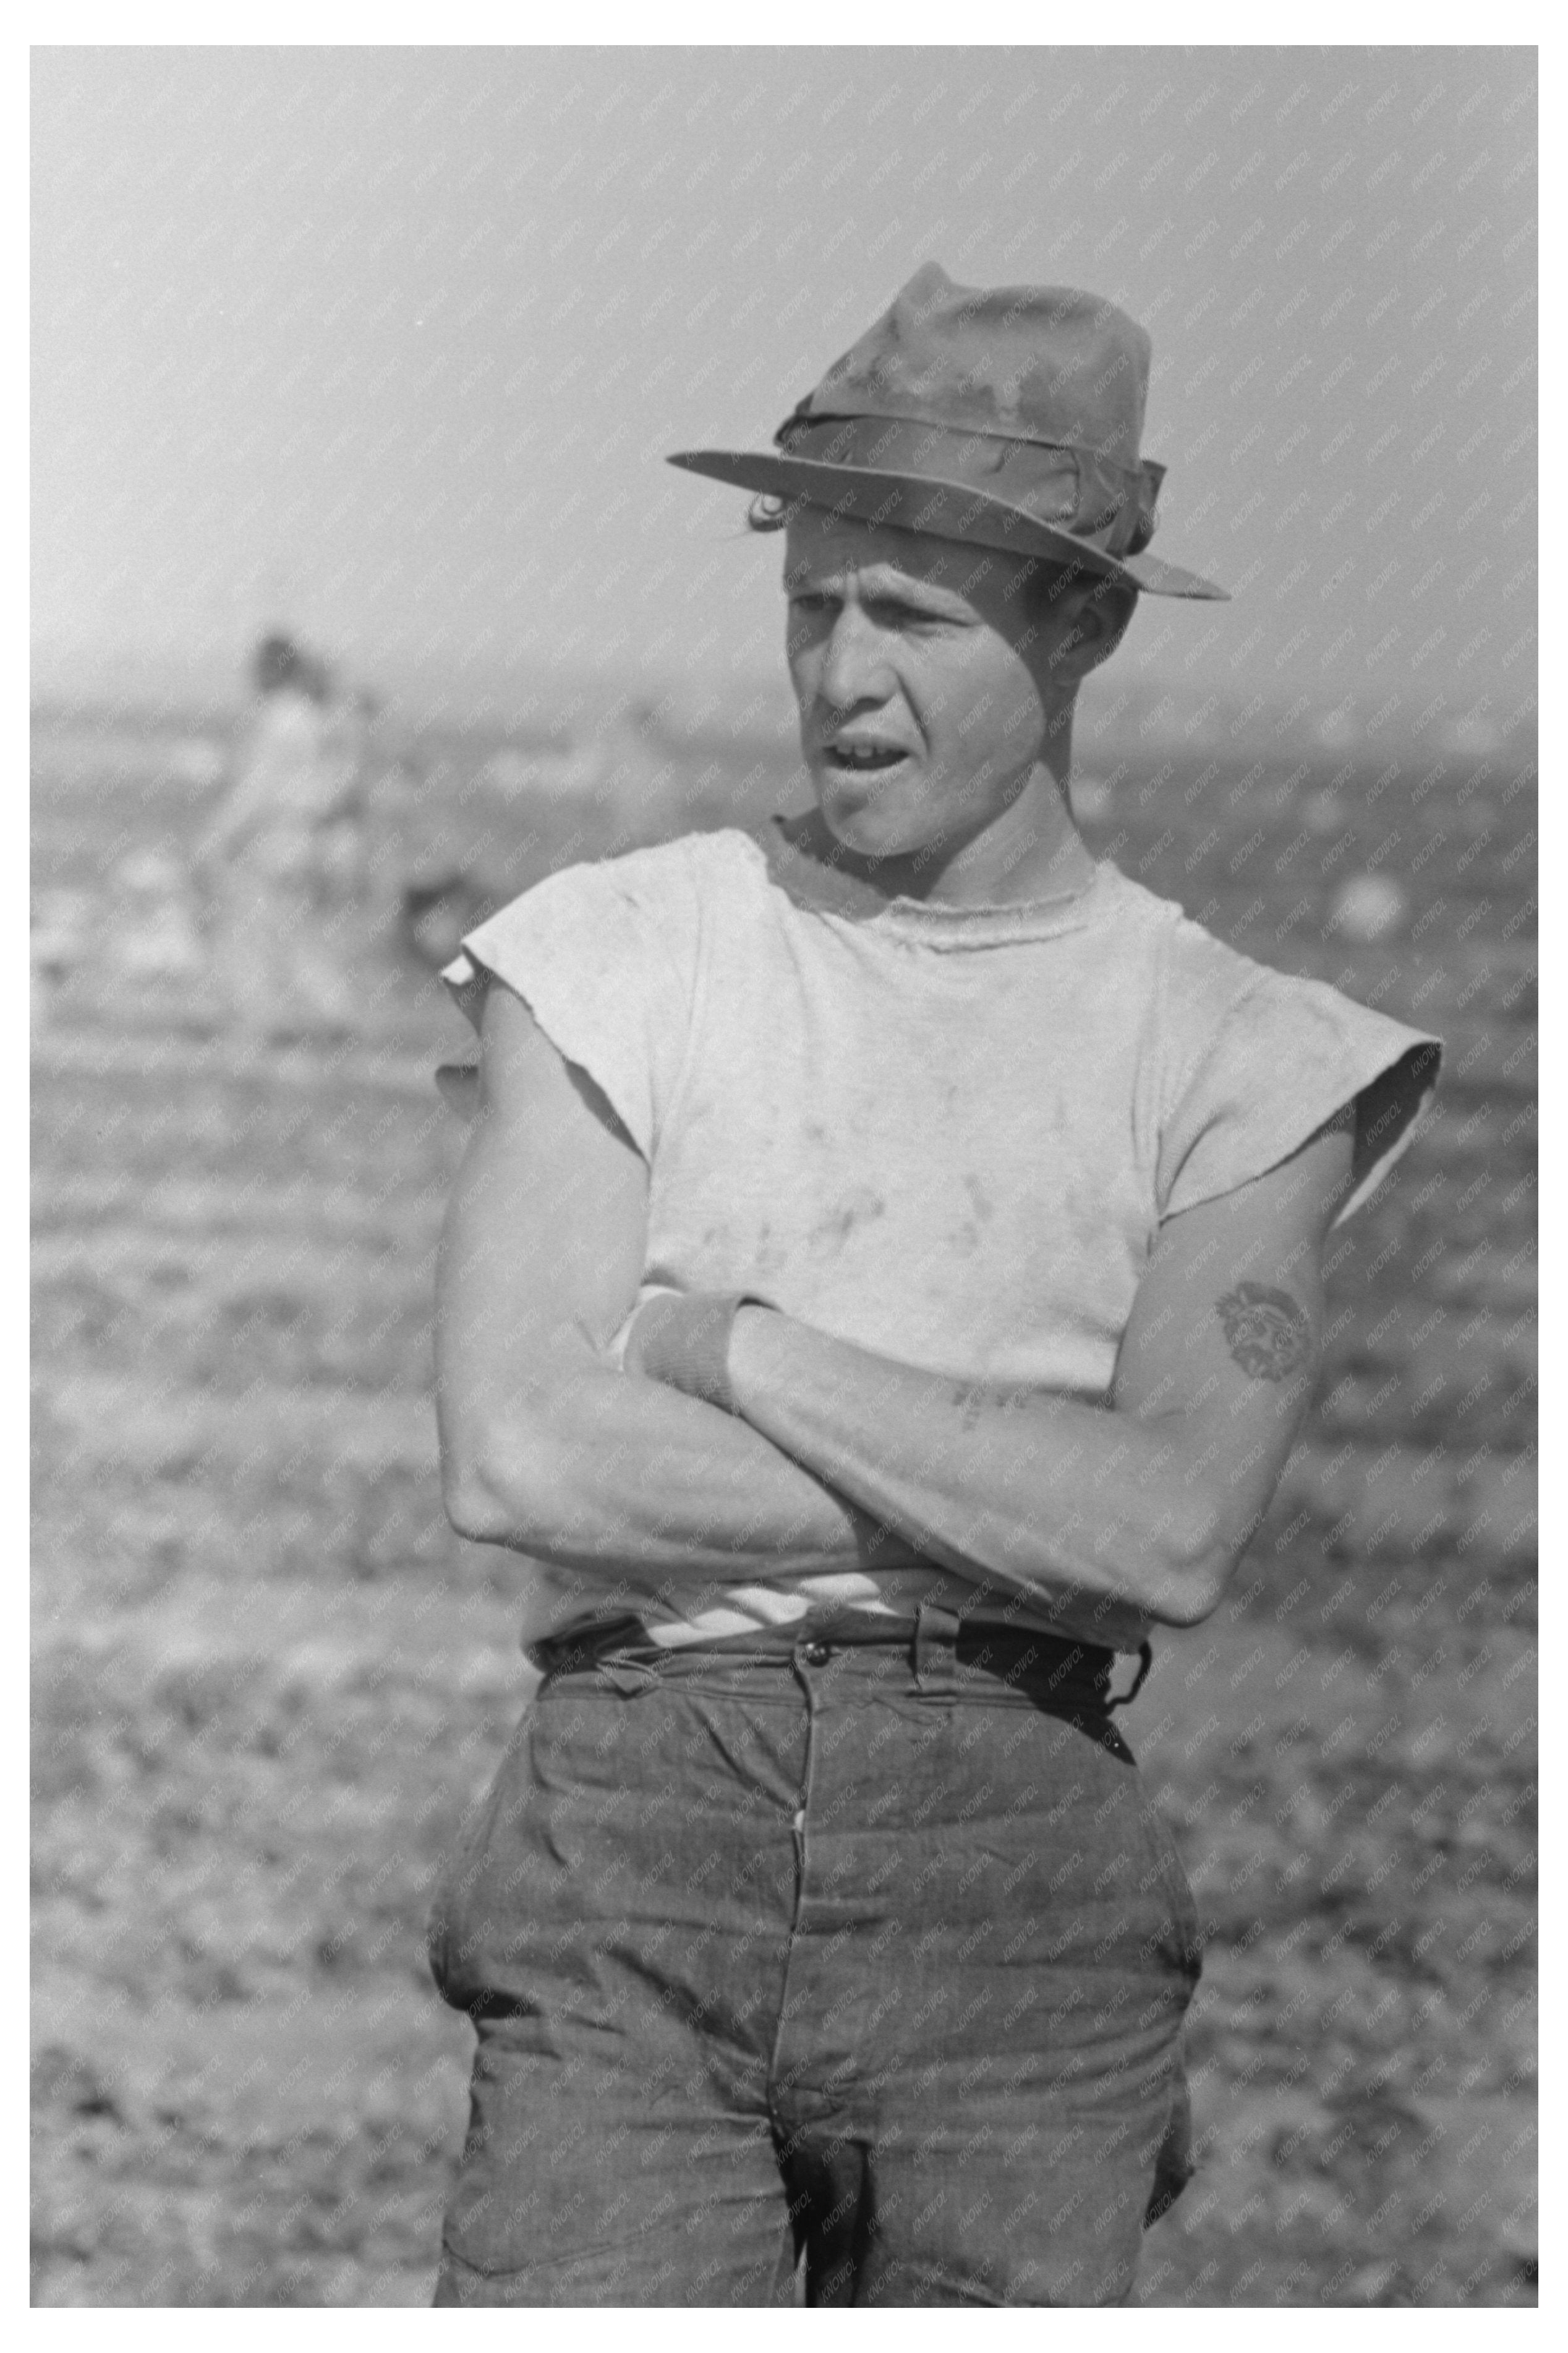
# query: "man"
279,859
884,1283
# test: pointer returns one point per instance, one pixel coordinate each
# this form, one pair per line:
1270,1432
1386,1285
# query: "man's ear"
1098,626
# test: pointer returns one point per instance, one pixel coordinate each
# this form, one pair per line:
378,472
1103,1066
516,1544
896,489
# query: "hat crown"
1046,363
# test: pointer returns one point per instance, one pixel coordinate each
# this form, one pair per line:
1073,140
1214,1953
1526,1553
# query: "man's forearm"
627,1478
1078,1510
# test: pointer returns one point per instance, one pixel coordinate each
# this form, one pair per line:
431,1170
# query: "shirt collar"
815,873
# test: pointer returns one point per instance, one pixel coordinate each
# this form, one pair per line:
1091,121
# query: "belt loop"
936,1630
1145,1661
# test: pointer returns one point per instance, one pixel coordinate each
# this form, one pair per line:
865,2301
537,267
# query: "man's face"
922,680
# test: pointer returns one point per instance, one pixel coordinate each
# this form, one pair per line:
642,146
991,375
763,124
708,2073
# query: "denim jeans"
863,1952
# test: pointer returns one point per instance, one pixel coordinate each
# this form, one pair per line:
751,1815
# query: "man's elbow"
473,1505
1191,1594
1200,1553
504,1486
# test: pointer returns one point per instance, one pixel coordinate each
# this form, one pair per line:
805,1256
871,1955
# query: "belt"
1059,1665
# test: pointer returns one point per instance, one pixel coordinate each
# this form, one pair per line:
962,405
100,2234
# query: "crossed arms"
1113,1519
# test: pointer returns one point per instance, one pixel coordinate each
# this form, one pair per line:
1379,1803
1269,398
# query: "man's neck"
1032,852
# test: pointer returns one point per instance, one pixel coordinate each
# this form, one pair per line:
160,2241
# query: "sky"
390,343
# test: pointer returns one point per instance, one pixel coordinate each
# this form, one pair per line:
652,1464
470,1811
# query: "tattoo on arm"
970,1399
975,1399
1268,1333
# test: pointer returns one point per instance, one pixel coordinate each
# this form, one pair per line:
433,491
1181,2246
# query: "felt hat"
1007,416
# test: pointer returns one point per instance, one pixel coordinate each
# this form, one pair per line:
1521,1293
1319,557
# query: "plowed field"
268,1677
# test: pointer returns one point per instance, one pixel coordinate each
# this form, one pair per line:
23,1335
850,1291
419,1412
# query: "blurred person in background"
883,1284
281,864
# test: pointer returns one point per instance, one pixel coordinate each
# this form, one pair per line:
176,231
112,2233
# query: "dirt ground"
268,1678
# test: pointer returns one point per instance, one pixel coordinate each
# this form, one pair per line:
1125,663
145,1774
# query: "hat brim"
945,509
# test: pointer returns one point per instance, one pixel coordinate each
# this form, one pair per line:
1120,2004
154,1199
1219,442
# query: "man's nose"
855,667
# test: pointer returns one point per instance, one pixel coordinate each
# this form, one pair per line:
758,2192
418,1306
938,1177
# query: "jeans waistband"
979,1651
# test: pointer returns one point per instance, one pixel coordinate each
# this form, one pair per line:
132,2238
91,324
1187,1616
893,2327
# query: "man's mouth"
863,759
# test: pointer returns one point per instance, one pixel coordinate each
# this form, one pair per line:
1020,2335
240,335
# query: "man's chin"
867,824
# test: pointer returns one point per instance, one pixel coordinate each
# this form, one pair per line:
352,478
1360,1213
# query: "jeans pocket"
1174,2162
443,1926
448,1919
1167,1858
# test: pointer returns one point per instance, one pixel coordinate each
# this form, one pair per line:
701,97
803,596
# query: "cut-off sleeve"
603,957
1250,1080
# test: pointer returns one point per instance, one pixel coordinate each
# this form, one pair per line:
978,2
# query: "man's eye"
909,616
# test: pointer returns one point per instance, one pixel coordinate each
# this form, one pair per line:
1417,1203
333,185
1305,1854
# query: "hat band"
1073,489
